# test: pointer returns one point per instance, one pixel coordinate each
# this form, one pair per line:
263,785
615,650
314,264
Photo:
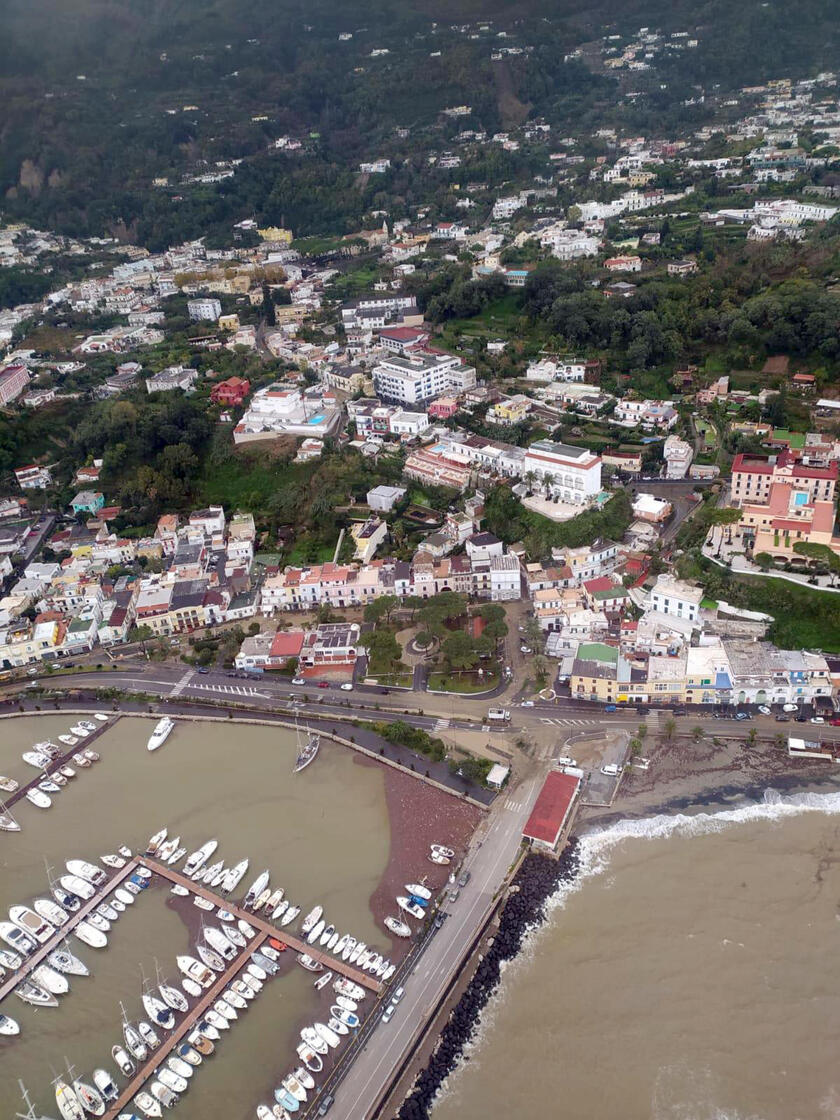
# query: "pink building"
13,380
443,408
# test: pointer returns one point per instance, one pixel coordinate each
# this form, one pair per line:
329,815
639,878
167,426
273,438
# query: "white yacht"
163,729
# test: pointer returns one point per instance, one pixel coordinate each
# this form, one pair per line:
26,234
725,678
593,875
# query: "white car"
524,649
765,711
347,687
790,707
298,680
817,719
611,770
566,760
526,703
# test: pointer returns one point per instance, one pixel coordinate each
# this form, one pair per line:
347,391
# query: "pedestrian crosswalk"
181,683
442,724
234,689
570,722
513,805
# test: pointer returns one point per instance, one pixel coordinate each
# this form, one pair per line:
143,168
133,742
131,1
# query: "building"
33,477
678,455
572,474
553,811
754,475
421,376
333,645
13,380
646,507
384,498
231,392
279,409
367,537
426,466
204,309
175,377
87,501
676,597
623,264
685,267
594,673
785,519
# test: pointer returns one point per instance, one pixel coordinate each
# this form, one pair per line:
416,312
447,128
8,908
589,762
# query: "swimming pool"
319,419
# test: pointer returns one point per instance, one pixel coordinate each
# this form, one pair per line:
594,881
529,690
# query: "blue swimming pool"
319,419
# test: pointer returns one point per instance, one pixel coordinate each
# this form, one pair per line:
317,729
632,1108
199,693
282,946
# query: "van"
566,760
610,708
498,715
611,770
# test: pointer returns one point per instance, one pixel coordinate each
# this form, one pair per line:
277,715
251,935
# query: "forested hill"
100,97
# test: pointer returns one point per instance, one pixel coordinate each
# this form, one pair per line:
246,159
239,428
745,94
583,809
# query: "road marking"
181,684
441,724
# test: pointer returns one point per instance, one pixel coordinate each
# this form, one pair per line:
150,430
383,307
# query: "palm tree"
530,479
670,727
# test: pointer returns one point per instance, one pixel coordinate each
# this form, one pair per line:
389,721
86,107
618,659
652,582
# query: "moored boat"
33,993
105,1084
310,1059
31,923
7,821
255,889
197,859
156,841
89,1097
311,919
8,1025
88,871
68,1103
51,980
397,927
77,886
346,987
211,959
9,785
95,938
329,1036
38,798
163,729
124,1063
410,907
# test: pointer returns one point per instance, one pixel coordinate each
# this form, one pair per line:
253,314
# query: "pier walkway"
43,951
301,946
66,759
147,1070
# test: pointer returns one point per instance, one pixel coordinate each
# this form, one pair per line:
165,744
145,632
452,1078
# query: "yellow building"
276,233
229,322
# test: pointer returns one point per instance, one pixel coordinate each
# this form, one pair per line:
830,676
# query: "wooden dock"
147,1071
11,799
301,946
43,951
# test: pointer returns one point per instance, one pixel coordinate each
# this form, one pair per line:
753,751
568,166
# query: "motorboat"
148,1034
88,871
143,873
210,874
346,1004
333,941
158,1012
418,890
101,717
36,758
225,1009
272,950
442,861
49,786
38,798
77,886
211,959
305,961
68,1103
124,896
280,909
98,921
176,856
31,923
156,841
305,1078
397,927
163,729
232,933
195,970
33,993
112,860
235,999
68,740
167,848
357,951
328,1034
274,901
348,1018
311,919
191,988
172,1080
410,907
293,1086
197,859
50,911
67,771
124,1063
89,1097
178,890
219,943
9,785
234,875
310,1059
256,972
389,972
68,899
179,1066
80,731
338,1027
316,931
348,948
189,1054
163,1094
115,904
105,1084
203,1043
91,936
203,903
262,900
8,1025
285,1099
106,910
439,848
346,987
86,723
216,1020
327,934
243,989
218,877
91,755
247,929
322,981
255,984
51,980
311,1038
80,759
135,1043
290,915
13,935
148,1105
63,960
255,889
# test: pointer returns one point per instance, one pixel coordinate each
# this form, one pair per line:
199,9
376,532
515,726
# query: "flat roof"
552,808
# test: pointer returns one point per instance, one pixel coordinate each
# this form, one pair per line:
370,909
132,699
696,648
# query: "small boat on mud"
397,927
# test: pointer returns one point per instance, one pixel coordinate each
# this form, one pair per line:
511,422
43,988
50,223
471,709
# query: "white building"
281,410
506,207
204,309
678,455
384,498
421,377
572,474
676,597
505,578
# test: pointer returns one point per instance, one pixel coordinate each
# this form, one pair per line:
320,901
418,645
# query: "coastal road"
488,864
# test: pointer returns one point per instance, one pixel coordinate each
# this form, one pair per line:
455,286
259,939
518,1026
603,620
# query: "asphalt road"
487,864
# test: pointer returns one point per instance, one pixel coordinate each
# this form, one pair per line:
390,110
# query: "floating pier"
11,799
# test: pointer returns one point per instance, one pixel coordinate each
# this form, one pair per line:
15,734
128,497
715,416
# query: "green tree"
670,727
459,651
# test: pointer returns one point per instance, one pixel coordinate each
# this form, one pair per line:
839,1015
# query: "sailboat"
30,1113
305,751
7,821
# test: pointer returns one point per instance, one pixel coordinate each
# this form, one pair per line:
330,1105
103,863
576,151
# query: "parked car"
765,711
465,878
525,649
566,760
323,684
397,996
790,707
298,680
784,719
526,704
388,1012
347,687
610,708
817,719
835,721
743,715
326,1104
611,770
202,669
454,895
801,719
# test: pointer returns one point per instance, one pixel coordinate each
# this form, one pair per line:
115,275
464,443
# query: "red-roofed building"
786,519
553,810
231,392
400,339
754,475
286,644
